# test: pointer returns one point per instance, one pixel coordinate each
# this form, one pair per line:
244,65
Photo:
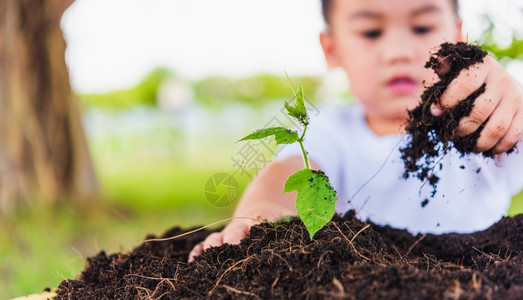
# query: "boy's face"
383,45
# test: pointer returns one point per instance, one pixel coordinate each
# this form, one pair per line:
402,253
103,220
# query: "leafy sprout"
316,199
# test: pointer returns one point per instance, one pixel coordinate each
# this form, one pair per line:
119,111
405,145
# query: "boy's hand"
263,200
233,233
501,104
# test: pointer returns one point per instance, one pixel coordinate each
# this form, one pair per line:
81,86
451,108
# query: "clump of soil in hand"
431,137
348,259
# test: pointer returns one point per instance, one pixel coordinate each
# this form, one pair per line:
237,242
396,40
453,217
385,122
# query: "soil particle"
348,259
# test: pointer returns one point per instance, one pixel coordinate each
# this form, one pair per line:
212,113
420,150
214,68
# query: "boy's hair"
327,4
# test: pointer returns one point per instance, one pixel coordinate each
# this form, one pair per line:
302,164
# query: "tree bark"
43,149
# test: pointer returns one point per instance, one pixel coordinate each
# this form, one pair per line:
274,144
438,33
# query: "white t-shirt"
366,171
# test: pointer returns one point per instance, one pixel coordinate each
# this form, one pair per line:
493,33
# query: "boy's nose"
397,48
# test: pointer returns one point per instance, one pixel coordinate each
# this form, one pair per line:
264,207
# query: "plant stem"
300,140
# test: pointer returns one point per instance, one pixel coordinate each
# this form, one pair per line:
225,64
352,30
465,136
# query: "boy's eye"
421,29
372,34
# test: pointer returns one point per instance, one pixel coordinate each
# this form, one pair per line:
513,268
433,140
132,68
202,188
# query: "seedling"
316,199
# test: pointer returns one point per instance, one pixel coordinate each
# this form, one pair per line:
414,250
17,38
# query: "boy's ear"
329,49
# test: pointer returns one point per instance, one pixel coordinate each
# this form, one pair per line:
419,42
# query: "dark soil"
432,137
347,259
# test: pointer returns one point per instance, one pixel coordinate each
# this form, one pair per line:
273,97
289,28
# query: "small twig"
402,258
274,284
223,274
360,231
428,261
415,243
476,284
454,293
339,286
397,252
197,229
170,283
321,258
161,296
284,260
230,288
350,243
139,288
163,279
146,277
484,253
158,288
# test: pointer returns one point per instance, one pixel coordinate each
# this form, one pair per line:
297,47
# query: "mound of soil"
431,137
348,259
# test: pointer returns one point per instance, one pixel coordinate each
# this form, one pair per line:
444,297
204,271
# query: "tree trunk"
43,150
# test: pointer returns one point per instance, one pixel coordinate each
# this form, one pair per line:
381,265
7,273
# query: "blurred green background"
153,164
154,146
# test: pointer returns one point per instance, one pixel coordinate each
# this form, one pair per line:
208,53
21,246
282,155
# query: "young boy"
383,45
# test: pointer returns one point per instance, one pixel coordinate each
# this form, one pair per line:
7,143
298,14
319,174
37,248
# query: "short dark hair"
326,6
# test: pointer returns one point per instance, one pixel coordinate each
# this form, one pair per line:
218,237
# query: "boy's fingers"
214,239
511,137
468,81
484,105
496,127
197,250
436,111
234,235
443,68
235,232
230,235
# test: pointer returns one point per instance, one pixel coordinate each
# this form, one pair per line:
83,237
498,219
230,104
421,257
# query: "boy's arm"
500,106
262,200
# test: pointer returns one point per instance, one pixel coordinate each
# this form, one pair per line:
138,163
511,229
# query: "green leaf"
316,199
292,111
281,134
300,105
298,110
